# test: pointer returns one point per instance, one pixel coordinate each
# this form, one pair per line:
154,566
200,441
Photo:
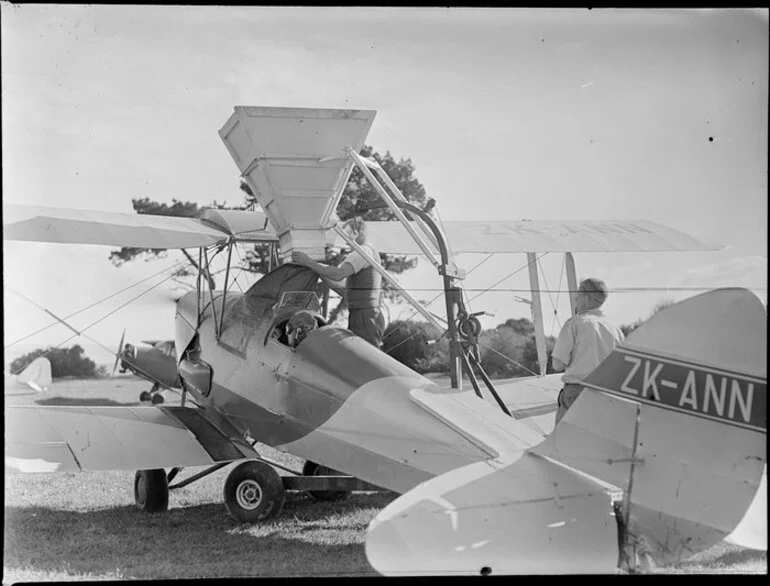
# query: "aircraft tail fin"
37,375
680,425
678,432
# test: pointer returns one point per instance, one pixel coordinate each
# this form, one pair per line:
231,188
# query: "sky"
506,114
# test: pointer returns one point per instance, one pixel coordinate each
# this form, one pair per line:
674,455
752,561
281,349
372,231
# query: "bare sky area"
506,114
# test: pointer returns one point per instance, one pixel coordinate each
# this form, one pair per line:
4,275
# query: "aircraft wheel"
254,492
151,490
145,396
157,398
313,469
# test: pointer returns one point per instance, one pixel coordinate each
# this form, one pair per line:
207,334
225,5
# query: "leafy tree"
660,305
356,198
64,362
407,342
510,350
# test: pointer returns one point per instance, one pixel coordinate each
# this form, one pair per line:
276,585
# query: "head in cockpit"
299,326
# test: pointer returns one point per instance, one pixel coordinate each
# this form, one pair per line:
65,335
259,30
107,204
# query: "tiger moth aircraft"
665,449
154,361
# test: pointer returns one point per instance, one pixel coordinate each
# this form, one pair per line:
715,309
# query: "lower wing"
73,439
532,400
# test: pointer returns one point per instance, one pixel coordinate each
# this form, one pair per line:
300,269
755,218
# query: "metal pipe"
569,266
198,476
490,386
211,293
451,296
224,295
198,288
471,376
387,277
537,312
392,205
271,463
392,186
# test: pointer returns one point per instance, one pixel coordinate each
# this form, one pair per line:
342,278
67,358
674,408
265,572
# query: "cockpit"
284,298
296,314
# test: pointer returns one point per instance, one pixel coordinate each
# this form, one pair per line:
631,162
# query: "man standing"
585,340
363,284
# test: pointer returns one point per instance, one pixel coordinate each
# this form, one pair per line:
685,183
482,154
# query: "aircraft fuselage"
334,399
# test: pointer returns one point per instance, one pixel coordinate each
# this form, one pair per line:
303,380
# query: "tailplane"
665,449
37,375
680,425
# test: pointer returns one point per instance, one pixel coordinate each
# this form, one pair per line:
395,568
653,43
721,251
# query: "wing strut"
537,312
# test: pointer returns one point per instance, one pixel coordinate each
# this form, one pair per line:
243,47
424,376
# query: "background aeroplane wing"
72,439
531,400
542,236
49,224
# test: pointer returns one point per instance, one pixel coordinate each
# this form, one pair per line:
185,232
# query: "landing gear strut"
253,491
152,395
313,469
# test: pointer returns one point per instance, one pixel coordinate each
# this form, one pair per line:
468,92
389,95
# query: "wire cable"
83,330
89,306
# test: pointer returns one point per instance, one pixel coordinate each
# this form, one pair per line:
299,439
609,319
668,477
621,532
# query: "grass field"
85,526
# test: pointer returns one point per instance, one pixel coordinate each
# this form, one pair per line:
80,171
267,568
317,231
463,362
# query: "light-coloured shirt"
357,261
584,342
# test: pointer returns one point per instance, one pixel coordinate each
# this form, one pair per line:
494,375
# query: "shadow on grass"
81,402
739,556
310,538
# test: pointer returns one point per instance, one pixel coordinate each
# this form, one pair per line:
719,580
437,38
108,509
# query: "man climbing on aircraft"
585,340
363,284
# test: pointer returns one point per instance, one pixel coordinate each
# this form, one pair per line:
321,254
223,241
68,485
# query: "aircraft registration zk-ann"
666,448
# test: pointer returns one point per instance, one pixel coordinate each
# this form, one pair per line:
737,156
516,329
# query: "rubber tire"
157,399
151,490
270,484
313,469
145,396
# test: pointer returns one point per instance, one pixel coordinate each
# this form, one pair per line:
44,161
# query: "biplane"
154,361
674,423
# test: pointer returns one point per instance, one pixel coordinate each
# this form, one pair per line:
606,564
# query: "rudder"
681,423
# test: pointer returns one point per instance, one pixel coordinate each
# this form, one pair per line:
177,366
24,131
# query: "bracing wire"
174,266
558,293
89,326
550,297
441,292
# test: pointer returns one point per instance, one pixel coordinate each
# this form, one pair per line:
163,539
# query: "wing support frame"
463,327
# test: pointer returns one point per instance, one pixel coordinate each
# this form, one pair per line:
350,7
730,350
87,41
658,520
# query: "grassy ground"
85,527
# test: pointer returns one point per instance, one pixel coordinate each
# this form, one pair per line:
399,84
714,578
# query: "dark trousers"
368,324
567,396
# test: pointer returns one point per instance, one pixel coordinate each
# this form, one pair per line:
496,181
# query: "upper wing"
542,236
48,224
71,439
